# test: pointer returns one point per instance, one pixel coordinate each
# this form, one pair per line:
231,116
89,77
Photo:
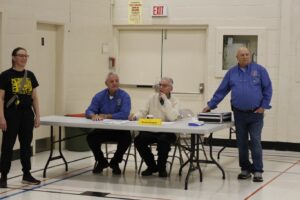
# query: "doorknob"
201,88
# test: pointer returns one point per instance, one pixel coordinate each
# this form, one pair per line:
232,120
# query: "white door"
45,70
184,59
139,56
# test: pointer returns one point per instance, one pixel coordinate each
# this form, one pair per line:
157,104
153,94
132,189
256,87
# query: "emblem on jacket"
119,101
255,77
254,73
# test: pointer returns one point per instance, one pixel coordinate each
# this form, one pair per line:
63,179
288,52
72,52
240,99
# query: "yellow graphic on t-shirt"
16,84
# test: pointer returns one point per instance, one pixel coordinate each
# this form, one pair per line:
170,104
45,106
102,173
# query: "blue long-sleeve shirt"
118,105
250,88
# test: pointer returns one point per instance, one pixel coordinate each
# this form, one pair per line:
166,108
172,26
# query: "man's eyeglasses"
22,55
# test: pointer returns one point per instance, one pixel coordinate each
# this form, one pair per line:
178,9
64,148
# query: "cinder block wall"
88,27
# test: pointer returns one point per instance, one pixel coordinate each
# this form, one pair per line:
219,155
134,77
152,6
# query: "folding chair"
128,153
174,146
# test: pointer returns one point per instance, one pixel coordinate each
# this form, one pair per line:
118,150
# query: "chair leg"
126,160
173,157
135,158
171,163
140,167
188,146
180,150
107,154
180,155
106,150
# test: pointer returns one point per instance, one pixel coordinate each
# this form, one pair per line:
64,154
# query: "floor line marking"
52,166
274,178
38,188
23,188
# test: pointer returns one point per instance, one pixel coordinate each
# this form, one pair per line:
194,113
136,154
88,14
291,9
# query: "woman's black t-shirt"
10,81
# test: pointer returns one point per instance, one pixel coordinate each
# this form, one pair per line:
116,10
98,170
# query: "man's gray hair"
170,80
111,74
242,48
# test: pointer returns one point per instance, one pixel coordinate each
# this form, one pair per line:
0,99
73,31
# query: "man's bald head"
243,56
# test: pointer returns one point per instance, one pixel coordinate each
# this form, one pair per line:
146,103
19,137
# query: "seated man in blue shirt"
251,93
110,103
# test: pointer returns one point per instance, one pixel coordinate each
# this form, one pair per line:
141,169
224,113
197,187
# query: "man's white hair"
111,74
170,80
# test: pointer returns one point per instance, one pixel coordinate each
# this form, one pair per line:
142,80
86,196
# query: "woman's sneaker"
3,182
29,180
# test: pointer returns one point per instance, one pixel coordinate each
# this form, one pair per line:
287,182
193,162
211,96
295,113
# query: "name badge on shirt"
254,73
119,101
255,77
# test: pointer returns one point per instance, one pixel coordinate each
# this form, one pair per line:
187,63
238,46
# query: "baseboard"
16,154
42,144
281,146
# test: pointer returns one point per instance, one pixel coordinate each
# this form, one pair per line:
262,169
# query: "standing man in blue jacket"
251,93
110,103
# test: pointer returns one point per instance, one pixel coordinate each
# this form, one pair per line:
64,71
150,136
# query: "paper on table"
112,121
195,122
167,123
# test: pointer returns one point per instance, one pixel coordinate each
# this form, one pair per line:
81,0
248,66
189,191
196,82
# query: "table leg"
51,151
194,157
59,149
190,160
210,138
197,157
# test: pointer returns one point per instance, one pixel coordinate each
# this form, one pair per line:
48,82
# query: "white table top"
180,126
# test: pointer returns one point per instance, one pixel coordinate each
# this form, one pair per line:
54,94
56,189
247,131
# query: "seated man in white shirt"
164,106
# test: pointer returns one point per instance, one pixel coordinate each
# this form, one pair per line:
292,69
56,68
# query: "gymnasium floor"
281,180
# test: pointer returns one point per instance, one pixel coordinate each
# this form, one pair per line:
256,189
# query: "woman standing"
19,113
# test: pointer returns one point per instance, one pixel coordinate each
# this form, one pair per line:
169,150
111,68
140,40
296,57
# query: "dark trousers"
163,140
99,136
19,123
249,125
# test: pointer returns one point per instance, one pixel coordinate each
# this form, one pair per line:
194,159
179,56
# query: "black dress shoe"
162,173
99,166
149,171
115,169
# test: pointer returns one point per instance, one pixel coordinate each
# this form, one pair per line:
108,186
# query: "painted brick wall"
88,25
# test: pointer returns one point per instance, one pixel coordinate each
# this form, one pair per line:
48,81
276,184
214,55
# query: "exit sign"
159,11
